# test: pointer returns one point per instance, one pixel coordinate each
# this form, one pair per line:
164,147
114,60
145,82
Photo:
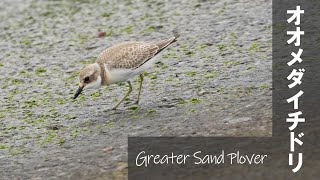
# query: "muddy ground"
215,81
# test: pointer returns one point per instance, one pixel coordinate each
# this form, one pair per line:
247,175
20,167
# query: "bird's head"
90,77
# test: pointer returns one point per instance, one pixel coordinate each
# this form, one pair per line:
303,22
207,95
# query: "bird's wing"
131,55
128,55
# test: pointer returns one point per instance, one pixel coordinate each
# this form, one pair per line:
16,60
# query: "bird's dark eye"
86,79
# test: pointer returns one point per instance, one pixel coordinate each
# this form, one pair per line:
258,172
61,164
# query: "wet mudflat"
215,81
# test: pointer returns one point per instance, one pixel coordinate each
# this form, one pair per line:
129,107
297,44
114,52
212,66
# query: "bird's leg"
141,79
130,90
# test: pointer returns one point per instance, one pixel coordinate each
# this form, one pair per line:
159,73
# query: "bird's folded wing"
128,55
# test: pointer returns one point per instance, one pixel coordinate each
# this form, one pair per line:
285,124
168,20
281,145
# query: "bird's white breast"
120,75
117,75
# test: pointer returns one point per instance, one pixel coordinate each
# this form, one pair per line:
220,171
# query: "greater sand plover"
120,63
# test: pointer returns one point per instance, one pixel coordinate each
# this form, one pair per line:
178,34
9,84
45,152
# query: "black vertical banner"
309,101
252,157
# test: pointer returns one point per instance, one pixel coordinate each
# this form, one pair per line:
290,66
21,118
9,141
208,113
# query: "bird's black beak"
78,92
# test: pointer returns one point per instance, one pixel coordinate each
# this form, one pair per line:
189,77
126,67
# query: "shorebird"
120,63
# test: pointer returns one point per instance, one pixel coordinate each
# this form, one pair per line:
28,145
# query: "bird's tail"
166,42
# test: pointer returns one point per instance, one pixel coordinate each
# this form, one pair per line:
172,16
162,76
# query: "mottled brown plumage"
131,55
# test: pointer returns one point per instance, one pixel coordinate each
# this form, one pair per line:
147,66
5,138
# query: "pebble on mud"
101,34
